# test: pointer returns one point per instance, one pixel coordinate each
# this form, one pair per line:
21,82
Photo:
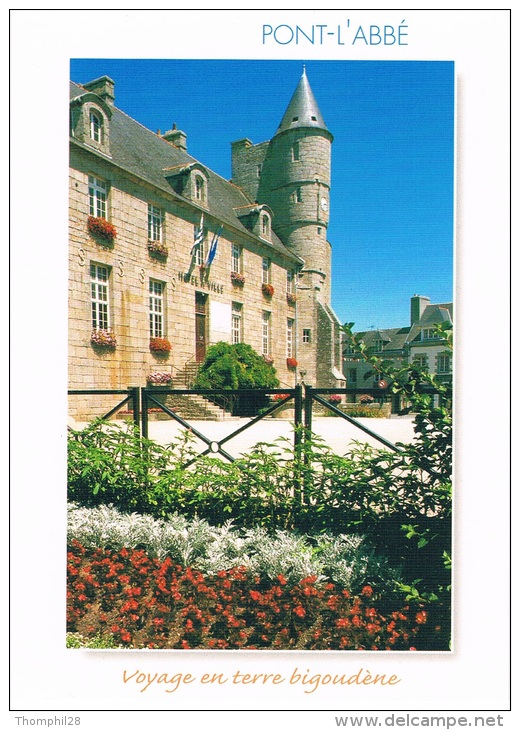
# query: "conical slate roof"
303,109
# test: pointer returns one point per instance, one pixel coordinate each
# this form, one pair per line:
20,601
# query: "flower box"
160,344
268,359
335,399
156,248
158,378
100,228
291,298
291,362
267,290
237,279
103,338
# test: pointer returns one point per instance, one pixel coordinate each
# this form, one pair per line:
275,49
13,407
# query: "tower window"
297,195
306,338
296,151
295,119
314,119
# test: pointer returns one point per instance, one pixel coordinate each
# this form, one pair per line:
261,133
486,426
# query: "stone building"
167,257
417,342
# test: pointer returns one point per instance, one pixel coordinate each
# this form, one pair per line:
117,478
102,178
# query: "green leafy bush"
237,367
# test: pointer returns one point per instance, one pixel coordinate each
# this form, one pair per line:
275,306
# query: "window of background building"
97,193
429,333
378,345
444,363
266,271
421,360
306,337
236,323
266,333
155,223
352,376
99,282
156,299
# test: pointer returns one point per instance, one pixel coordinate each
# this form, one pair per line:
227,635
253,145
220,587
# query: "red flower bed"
145,602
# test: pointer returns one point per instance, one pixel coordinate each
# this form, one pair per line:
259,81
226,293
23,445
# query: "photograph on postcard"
260,355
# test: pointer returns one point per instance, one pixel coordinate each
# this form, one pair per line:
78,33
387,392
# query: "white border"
44,677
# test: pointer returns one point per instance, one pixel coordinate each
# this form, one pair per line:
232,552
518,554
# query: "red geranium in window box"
291,298
101,228
292,362
268,290
160,344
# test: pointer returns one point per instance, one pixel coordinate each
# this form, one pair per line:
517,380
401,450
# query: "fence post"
134,395
144,413
297,420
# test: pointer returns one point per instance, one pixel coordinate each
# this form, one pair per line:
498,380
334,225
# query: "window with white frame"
95,124
429,333
266,270
421,360
97,194
156,299
236,323
200,188
265,225
99,296
236,258
290,281
266,332
444,363
290,338
199,249
306,336
155,223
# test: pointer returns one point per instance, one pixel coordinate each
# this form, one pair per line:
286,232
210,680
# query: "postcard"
270,256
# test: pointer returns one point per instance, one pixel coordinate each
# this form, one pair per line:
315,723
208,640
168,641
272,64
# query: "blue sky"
392,186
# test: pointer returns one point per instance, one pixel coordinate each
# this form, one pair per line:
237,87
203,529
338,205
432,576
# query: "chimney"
417,306
176,138
103,87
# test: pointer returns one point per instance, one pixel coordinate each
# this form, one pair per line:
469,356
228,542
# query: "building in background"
418,342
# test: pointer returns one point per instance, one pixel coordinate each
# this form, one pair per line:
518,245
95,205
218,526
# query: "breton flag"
198,235
213,248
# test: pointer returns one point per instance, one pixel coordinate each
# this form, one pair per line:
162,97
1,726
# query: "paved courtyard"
337,433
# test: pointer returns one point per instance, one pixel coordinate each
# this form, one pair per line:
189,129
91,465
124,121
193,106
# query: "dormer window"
265,225
90,119
96,125
200,189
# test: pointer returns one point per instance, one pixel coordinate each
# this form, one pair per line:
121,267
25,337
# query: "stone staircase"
192,407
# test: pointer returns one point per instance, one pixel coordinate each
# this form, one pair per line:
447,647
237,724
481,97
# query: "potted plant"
103,339
158,378
160,345
100,228
292,362
156,248
237,279
268,290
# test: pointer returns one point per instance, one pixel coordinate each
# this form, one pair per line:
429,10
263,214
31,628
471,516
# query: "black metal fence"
302,399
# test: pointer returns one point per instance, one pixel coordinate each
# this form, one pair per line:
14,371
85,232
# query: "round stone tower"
295,183
291,174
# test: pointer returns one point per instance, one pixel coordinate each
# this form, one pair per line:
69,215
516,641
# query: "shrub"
345,559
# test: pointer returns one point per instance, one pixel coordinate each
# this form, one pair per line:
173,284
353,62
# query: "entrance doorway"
200,326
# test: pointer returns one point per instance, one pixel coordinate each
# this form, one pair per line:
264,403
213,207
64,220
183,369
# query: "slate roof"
303,110
143,153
